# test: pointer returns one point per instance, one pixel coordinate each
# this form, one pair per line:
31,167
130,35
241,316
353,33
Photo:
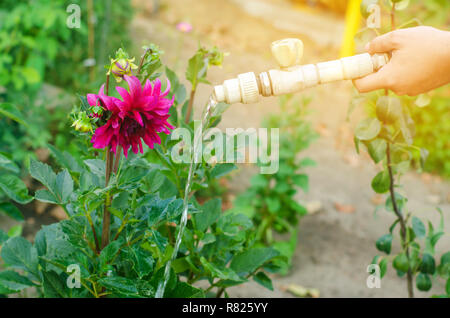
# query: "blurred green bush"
37,47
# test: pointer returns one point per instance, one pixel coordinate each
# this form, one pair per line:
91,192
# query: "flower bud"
121,65
82,123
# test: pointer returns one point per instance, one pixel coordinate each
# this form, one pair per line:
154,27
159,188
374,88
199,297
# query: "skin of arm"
420,61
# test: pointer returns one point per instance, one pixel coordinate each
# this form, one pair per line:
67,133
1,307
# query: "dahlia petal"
135,85
166,92
92,99
138,118
127,99
156,87
147,88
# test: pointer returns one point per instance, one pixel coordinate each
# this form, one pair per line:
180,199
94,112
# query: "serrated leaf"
119,284
210,213
43,173
64,186
12,282
18,253
54,285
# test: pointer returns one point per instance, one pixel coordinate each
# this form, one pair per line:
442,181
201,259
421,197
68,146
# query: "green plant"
271,199
388,135
123,217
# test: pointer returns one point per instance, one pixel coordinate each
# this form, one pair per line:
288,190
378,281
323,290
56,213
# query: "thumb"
373,81
382,44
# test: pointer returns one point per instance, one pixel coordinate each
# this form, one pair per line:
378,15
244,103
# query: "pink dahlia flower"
141,115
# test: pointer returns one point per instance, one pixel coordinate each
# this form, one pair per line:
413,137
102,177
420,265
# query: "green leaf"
109,252
251,259
210,214
184,290
119,284
11,111
65,159
64,186
54,285
423,282
381,182
143,262
11,282
368,129
273,204
222,169
302,181
43,173
3,237
14,188
262,279
418,227
389,109
447,287
384,243
96,166
18,253
307,162
222,273
46,196
11,210
259,181
196,70
428,265
8,165
377,149
14,231
383,267
400,200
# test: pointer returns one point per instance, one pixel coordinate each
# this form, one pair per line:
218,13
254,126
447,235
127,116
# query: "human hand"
420,61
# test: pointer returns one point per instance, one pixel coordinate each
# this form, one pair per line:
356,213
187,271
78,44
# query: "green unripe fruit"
423,282
428,266
401,262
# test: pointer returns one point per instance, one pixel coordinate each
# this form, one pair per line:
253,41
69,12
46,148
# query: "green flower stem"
190,105
106,213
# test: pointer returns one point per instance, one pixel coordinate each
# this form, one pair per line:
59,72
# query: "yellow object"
337,6
352,23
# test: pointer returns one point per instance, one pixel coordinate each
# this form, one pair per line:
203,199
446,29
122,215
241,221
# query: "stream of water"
198,137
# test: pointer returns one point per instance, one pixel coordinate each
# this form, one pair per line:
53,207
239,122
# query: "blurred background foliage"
43,62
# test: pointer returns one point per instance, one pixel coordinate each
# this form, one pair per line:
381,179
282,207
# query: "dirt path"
334,248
